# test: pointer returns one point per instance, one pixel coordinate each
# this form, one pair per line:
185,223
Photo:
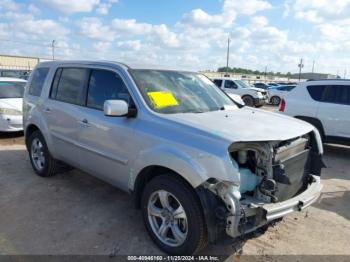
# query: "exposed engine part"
268,187
242,156
249,180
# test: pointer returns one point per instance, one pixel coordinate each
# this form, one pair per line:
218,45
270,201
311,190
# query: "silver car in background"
199,165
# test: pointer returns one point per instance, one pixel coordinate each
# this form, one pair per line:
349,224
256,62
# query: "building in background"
17,66
315,76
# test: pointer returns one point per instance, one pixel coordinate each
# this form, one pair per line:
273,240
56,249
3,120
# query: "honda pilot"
199,165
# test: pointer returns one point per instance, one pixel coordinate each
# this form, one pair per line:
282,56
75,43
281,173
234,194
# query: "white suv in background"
325,104
251,96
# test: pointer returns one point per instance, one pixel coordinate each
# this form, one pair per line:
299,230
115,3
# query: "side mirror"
115,108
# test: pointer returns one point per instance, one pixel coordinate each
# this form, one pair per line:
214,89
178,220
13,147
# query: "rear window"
37,82
316,92
11,89
337,94
70,85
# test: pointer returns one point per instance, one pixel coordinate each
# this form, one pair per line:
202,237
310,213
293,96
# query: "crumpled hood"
11,103
245,124
258,89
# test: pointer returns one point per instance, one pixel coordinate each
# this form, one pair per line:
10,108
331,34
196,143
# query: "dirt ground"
75,213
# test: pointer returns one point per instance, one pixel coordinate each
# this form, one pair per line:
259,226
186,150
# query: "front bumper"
260,101
259,214
10,123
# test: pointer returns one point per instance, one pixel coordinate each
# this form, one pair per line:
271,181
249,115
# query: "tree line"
244,71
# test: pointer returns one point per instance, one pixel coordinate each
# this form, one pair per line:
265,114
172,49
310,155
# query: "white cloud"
101,46
322,10
103,8
8,5
133,45
131,26
33,9
72,6
93,28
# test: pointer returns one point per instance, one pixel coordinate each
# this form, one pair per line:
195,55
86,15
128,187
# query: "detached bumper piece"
297,203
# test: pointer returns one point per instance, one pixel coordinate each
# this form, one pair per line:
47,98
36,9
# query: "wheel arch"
315,122
30,129
147,174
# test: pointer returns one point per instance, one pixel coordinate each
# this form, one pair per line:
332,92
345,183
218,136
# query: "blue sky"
188,34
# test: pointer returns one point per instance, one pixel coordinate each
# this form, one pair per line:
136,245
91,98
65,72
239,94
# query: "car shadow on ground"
335,198
336,202
7,135
337,159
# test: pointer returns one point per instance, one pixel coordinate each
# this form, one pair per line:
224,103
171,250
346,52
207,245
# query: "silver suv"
200,166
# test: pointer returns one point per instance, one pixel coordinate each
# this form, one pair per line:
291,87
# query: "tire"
275,100
42,162
193,233
248,100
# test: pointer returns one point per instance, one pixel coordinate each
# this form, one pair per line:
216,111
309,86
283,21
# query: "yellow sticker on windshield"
162,99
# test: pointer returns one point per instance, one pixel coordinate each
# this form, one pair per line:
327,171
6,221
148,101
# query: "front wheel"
275,100
248,101
173,216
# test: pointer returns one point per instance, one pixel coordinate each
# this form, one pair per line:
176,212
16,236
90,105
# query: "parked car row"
251,96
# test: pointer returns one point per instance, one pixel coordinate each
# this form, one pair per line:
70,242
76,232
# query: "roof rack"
328,79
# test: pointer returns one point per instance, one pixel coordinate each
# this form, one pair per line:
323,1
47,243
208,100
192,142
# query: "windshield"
11,89
243,84
170,92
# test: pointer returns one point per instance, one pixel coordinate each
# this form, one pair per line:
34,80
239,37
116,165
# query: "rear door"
62,111
334,110
106,143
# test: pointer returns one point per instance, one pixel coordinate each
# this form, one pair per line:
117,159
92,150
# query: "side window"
316,92
218,82
337,94
230,84
38,79
71,85
105,85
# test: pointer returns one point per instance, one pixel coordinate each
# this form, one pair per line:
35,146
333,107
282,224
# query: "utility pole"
228,54
53,49
300,65
313,68
265,73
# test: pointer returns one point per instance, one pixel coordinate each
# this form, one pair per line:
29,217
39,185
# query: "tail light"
282,105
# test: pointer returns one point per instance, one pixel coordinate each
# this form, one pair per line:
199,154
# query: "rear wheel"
42,161
173,217
248,100
275,100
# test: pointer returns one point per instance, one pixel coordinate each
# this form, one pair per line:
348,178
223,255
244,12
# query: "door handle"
48,110
84,122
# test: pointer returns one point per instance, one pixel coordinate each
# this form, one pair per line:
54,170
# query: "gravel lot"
74,213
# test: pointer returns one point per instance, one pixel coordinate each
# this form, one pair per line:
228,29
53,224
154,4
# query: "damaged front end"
275,179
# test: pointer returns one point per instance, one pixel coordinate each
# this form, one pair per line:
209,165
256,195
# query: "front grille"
290,163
